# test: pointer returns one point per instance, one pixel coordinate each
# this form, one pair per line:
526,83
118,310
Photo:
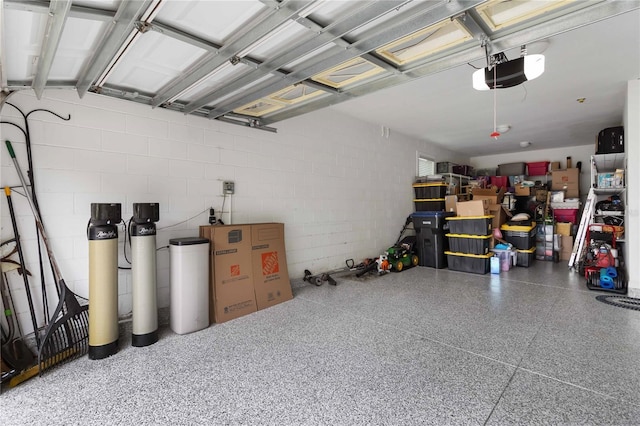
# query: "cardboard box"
231,289
269,258
473,208
566,180
555,165
564,228
450,203
494,195
567,247
523,191
500,215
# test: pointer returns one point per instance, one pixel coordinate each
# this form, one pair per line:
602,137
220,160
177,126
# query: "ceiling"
405,65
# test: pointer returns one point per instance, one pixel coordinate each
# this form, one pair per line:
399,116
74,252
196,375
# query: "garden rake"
66,337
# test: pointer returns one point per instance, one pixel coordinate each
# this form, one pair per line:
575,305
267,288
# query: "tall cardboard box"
450,203
231,286
564,228
566,180
500,215
269,258
494,195
567,247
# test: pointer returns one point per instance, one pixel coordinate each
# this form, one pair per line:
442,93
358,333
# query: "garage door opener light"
509,73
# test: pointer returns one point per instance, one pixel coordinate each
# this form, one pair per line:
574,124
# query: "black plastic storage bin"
430,190
511,169
474,225
474,263
471,244
525,257
429,205
521,237
463,170
431,242
445,167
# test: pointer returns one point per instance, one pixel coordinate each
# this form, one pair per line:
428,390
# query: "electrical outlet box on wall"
228,187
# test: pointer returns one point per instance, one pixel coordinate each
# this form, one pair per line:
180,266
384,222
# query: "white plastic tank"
189,310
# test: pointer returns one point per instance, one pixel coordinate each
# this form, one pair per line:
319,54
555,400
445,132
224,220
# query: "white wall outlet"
228,187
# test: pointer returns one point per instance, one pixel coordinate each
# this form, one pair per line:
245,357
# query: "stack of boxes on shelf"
469,237
565,190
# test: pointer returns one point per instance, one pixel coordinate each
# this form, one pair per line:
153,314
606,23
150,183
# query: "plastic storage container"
474,225
566,215
525,257
429,205
487,172
474,263
471,244
511,169
431,242
189,310
500,181
445,167
463,170
538,168
430,190
520,236
507,258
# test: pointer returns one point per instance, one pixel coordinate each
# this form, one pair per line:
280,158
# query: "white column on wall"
632,147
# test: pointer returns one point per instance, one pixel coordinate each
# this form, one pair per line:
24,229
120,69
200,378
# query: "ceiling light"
503,128
509,73
525,144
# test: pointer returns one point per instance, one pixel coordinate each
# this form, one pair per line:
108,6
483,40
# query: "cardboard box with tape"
231,286
269,258
566,180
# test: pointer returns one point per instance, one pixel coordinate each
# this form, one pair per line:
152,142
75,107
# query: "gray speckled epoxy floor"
531,346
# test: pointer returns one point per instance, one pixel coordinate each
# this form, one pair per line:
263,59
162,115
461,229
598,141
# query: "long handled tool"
15,352
67,334
27,287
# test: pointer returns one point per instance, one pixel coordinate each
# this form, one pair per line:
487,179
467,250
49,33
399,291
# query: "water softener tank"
103,279
143,268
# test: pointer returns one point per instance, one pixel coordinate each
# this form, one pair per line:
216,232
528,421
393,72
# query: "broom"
66,337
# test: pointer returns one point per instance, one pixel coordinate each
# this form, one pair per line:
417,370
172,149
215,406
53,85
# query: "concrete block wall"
341,186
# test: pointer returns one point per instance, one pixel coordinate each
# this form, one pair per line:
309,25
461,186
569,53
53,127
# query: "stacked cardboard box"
247,269
564,230
566,180
495,208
